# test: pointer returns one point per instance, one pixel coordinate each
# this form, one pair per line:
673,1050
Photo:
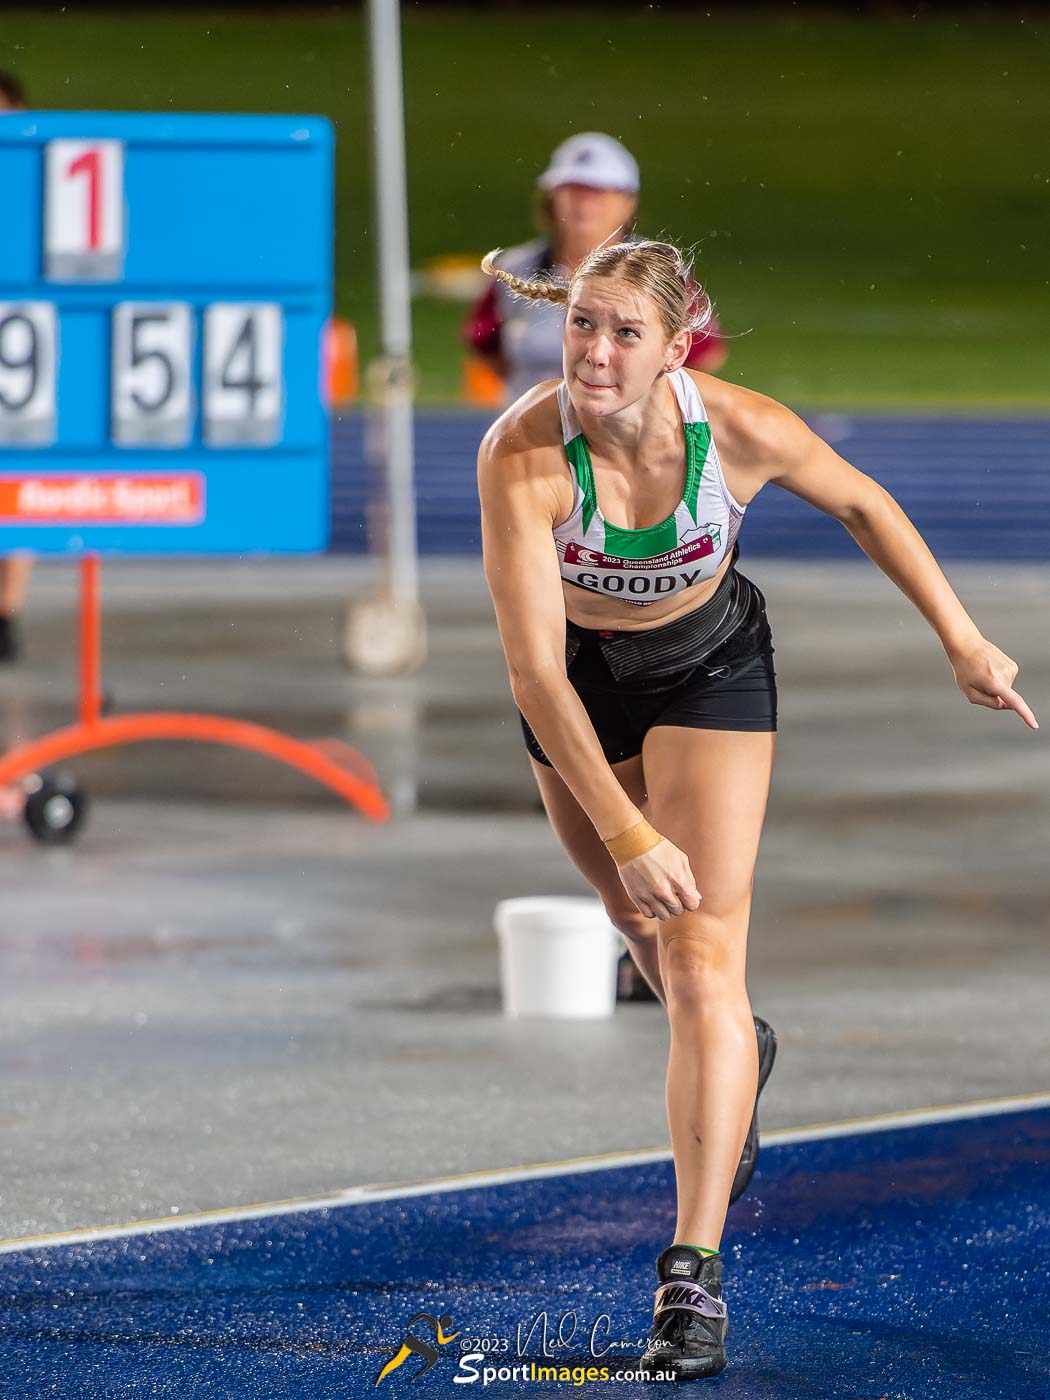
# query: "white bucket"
558,957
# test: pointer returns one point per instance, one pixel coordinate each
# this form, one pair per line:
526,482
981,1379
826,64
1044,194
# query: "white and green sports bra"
643,566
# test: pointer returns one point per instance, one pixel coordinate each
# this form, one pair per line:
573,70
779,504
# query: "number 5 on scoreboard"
152,362
243,399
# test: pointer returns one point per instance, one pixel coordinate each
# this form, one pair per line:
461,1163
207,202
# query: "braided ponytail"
550,289
659,271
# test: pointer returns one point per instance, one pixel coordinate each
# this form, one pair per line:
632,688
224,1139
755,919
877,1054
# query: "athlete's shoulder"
530,425
747,426
521,463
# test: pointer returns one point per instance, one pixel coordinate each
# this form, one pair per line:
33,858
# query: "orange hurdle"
331,762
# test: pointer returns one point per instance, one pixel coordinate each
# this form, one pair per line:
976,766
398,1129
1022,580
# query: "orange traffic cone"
482,386
341,380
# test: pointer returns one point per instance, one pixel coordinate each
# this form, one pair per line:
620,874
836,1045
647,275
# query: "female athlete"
641,662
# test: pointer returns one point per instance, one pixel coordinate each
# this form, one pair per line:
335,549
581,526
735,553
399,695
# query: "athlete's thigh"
576,832
708,790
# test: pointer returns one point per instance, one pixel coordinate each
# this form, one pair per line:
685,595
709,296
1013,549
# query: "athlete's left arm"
776,446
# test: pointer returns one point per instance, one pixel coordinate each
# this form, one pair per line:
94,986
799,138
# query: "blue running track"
907,1263
976,488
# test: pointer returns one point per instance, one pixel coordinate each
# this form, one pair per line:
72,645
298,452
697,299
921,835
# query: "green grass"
870,196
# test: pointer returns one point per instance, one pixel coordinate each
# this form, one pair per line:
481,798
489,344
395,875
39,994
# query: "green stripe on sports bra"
641,544
580,460
651,540
698,440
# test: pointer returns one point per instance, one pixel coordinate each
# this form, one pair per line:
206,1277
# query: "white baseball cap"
594,159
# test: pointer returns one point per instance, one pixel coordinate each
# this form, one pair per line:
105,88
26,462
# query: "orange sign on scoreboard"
101,500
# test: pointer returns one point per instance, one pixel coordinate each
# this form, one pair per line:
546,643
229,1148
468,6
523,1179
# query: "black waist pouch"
736,610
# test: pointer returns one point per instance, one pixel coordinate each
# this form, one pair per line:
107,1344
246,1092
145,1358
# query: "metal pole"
90,639
388,122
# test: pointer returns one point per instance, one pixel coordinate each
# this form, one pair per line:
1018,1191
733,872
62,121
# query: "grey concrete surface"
233,990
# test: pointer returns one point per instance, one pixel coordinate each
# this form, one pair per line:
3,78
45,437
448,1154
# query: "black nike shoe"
690,1320
630,984
10,639
767,1053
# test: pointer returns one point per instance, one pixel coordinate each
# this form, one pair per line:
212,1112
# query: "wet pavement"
909,1262
233,990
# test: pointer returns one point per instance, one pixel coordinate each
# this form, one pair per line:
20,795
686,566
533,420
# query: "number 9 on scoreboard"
27,372
243,399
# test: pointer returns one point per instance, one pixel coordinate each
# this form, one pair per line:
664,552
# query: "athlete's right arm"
518,511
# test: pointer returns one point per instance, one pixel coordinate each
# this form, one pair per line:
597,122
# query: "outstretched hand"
985,675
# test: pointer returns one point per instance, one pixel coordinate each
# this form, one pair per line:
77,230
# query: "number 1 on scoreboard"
84,211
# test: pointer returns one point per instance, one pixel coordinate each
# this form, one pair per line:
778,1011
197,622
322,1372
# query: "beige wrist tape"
635,841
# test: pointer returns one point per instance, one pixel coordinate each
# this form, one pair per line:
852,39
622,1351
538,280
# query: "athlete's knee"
702,960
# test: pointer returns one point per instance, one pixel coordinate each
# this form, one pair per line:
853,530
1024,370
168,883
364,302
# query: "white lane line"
572,1166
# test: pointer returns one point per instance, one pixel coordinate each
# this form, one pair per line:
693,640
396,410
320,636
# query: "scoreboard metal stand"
165,284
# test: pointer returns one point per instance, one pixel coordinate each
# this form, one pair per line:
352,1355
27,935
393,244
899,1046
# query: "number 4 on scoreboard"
243,398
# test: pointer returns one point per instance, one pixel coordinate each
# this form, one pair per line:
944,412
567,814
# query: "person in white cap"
587,195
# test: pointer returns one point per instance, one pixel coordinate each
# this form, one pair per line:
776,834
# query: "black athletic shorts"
686,673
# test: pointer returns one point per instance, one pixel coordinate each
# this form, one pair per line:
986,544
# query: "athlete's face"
615,346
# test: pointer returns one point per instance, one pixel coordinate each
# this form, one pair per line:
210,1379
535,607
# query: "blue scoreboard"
165,284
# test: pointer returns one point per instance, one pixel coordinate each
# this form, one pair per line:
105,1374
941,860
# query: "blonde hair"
659,271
